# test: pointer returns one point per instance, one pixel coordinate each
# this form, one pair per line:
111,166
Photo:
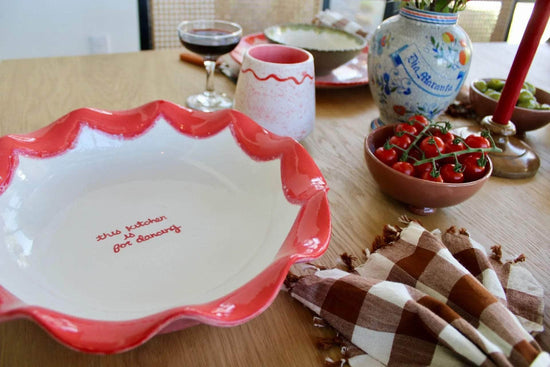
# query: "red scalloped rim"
302,181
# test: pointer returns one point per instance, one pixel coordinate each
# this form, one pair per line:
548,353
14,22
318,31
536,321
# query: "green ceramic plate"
330,47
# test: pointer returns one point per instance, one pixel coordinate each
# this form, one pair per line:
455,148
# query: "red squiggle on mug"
277,77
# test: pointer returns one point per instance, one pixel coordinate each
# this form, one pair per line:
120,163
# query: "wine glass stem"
210,67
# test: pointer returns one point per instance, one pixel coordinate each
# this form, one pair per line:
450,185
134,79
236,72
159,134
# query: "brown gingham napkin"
429,299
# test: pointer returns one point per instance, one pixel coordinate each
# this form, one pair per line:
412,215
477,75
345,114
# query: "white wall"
521,17
38,28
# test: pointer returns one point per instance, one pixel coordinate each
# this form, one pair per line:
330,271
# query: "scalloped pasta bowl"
119,225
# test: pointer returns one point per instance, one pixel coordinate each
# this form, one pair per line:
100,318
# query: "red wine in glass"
210,39
209,43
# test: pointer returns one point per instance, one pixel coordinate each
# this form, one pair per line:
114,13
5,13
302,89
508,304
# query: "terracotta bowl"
525,119
330,47
421,196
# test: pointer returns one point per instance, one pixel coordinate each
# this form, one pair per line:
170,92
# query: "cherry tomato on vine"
407,128
419,122
416,154
472,169
462,157
421,168
454,146
428,176
447,138
477,141
432,146
386,156
404,167
404,141
449,173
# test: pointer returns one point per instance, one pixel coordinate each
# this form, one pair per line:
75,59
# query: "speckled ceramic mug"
276,88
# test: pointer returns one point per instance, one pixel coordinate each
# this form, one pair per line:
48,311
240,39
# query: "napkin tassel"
497,256
497,253
462,231
521,258
347,261
320,322
389,235
330,342
346,350
290,280
331,363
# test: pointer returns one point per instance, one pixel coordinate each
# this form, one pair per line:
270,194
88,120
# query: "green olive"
530,87
526,99
481,86
495,84
529,103
493,94
525,95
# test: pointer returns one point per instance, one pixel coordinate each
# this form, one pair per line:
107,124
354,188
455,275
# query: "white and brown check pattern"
418,301
512,284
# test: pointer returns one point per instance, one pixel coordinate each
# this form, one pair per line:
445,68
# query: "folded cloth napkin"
425,298
333,19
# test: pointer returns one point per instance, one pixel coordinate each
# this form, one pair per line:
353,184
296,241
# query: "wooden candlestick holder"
517,159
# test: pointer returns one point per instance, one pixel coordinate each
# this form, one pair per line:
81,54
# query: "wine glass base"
209,101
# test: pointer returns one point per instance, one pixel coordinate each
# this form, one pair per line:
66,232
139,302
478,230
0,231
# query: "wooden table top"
512,213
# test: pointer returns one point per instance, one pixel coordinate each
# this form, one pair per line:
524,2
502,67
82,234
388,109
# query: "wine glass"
210,39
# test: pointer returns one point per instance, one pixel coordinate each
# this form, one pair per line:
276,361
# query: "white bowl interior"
211,219
322,39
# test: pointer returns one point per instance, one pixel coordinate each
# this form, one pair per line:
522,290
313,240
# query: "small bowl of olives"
532,110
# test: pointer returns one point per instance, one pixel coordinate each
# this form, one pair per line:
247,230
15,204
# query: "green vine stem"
444,127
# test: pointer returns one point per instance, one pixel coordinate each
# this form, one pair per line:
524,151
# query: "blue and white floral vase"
417,63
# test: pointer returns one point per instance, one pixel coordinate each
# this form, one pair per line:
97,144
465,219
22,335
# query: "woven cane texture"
252,15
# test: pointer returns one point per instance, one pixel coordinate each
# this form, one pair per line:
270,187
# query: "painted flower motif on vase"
382,40
392,82
417,63
430,110
450,51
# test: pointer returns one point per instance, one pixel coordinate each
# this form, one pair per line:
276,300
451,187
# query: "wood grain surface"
512,213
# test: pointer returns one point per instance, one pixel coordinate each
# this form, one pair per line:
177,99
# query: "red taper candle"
522,62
